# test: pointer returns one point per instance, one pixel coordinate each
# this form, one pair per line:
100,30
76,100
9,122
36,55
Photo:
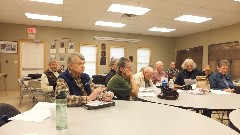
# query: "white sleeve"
44,82
137,80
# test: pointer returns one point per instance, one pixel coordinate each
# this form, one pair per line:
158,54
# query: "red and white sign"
31,30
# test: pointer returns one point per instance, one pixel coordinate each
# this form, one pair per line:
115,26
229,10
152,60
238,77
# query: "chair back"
22,84
99,79
35,85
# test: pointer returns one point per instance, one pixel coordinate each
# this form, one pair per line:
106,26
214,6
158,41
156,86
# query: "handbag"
168,93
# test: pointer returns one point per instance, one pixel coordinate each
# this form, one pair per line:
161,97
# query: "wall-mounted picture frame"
8,47
62,58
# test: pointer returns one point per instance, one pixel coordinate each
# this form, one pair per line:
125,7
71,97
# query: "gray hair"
52,60
122,62
186,61
223,63
72,55
148,69
159,63
112,61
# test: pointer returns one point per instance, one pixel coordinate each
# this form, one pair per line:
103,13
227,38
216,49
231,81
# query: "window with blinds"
143,57
90,54
117,52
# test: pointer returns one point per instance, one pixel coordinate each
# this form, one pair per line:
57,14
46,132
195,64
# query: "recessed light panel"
43,17
128,9
161,29
191,18
111,24
50,1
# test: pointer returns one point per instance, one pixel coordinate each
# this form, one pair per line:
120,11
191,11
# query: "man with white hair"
158,73
50,76
143,78
189,72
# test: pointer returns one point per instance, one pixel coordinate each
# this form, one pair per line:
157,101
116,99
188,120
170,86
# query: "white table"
126,118
211,101
234,117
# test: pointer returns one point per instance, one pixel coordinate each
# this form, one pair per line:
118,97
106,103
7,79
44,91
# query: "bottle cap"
61,95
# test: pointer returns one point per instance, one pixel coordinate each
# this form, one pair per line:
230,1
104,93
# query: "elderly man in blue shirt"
221,80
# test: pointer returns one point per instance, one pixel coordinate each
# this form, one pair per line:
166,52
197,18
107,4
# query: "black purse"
168,94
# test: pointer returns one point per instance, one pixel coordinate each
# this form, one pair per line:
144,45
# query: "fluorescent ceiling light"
237,0
116,39
50,1
191,18
161,29
111,24
128,9
43,17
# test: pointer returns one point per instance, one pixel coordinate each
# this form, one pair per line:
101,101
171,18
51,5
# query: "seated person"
172,71
78,84
207,71
122,83
221,80
143,78
50,76
113,69
189,72
7,111
158,73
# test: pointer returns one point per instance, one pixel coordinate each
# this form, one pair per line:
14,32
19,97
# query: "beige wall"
215,36
162,47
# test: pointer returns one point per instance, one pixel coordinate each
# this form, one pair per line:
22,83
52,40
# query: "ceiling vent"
129,16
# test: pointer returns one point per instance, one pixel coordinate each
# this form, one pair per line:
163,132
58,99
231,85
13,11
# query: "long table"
216,102
126,118
235,119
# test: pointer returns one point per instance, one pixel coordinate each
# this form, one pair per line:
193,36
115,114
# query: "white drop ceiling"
82,14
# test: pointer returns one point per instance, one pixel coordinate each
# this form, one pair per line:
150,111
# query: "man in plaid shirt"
78,85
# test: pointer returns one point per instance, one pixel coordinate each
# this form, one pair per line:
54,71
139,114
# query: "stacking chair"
99,79
24,90
35,91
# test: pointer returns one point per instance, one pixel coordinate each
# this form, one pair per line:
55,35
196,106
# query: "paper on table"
38,113
179,90
142,89
219,92
96,103
146,94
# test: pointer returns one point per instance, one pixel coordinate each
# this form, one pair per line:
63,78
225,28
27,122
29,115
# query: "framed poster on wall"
8,47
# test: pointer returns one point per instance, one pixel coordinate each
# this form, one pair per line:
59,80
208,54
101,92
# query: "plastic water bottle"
61,111
164,83
171,84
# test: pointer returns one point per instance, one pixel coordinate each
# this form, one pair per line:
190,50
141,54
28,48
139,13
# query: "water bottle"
164,83
171,84
61,110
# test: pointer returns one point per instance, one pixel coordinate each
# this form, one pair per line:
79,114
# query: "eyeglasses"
79,63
